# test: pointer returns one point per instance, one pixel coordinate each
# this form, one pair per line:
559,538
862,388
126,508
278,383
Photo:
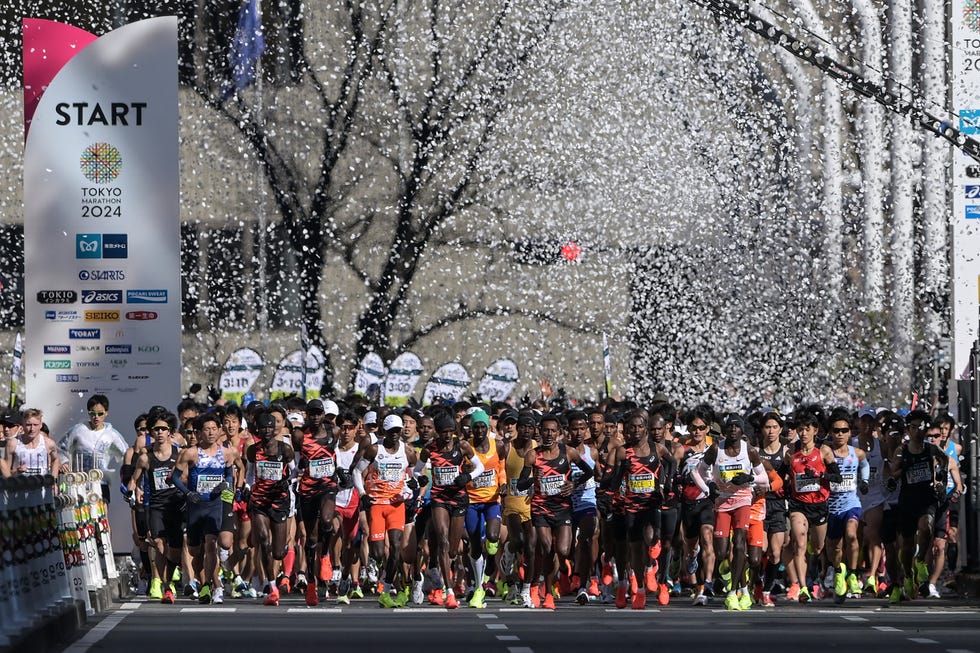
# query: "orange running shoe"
168,597
326,569
651,579
536,596
793,593
549,602
564,584
380,588
273,598
283,586
575,583
451,602
436,598
620,597
663,594
639,601
593,587
633,586
311,596
654,552
607,575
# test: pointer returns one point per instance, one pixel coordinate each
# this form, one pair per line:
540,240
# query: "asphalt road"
245,625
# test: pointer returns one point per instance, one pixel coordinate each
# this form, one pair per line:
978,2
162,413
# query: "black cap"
445,422
731,420
315,407
265,420
12,419
509,415
527,419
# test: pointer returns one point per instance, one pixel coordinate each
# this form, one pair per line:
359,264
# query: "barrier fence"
55,549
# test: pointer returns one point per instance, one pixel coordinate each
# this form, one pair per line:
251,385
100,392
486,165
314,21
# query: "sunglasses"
703,427
141,429
96,413
843,430
160,429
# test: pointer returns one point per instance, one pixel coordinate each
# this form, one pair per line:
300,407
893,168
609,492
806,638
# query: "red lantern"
571,250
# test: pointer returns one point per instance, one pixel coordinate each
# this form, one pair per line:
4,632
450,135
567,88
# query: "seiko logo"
101,316
102,297
57,297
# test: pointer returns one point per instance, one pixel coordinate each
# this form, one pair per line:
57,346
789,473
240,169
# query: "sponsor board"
84,334
101,275
146,296
61,316
57,296
86,363
142,315
102,297
60,364
66,378
57,349
119,349
101,316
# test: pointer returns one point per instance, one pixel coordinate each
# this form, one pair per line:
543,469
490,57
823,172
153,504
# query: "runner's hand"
742,478
192,498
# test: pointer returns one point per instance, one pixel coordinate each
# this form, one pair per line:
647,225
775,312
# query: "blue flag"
247,47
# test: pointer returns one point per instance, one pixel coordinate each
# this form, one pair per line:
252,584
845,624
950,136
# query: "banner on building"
448,382
403,377
370,376
499,380
239,374
101,224
294,378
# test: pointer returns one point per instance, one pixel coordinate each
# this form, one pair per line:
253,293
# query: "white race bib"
268,470
322,468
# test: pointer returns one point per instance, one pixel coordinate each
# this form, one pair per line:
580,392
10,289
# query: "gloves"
219,490
462,480
213,393
344,478
713,491
228,496
833,478
891,484
422,480
366,503
742,478
412,484
863,487
192,498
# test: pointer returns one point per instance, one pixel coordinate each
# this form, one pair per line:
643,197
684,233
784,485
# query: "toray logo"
101,246
84,334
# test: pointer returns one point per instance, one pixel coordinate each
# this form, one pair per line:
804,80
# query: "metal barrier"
54,548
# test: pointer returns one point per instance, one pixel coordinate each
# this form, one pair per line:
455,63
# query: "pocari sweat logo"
146,296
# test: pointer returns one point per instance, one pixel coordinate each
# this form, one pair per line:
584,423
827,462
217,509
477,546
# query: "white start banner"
241,371
448,382
293,378
102,301
370,376
403,377
499,380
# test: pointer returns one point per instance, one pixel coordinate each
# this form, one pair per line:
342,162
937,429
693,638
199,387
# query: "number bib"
872,474
322,468
920,473
390,472
847,484
807,483
207,482
268,470
514,492
641,483
728,472
160,476
443,476
551,485
485,480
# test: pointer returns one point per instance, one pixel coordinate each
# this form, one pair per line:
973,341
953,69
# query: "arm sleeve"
358,476
697,475
864,470
178,479
775,481
477,466
760,477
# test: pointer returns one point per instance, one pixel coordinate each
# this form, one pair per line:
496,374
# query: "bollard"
71,543
6,563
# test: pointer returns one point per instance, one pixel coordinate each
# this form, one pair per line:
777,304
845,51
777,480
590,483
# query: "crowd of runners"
453,504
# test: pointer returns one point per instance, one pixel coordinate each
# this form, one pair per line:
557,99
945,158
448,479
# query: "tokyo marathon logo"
971,14
101,163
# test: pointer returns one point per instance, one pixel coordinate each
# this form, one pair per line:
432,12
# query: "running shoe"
418,596
650,579
204,595
691,565
910,590
639,601
312,598
343,599
663,594
871,585
634,587
933,591
549,602
513,596
582,598
501,588
830,577
731,601
219,596
301,583
436,598
401,597
490,589
575,584
142,586
479,598
744,599
767,601
356,592
386,599
251,593
620,597
168,597
757,593
607,574
284,585
921,572
895,597
853,585
793,593
700,599
840,580
190,589
451,602
526,600
805,596
156,589
326,568
536,596
593,589
725,571
372,572
817,591
273,598
507,559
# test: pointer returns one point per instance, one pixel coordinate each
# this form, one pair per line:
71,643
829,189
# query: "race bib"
514,492
485,480
641,483
872,474
322,468
918,474
806,483
847,484
160,476
32,471
443,476
207,482
728,472
551,485
391,472
268,470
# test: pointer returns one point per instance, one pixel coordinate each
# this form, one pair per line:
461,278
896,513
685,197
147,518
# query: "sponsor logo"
119,334
101,316
119,349
143,377
57,364
142,315
102,275
94,246
57,296
113,377
101,163
148,349
80,391
66,378
971,192
125,389
88,347
973,171
973,213
84,334
61,316
118,362
148,363
102,297
970,122
146,296
86,363
57,349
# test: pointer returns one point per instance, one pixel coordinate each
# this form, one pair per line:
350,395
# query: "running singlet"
806,488
446,466
778,463
34,459
518,499
485,488
583,496
271,475
843,495
345,459
690,462
950,452
550,477
640,483
918,473
726,468
208,473
609,496
385,478
321,464
162,494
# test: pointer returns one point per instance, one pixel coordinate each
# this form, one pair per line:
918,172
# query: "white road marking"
887,629
130,606
317,610
507,638
850,618
95,635
205,610
922,640
496,626
519,649
486,616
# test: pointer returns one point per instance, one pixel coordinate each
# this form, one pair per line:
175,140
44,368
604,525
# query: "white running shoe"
336,575
418,595
526,598
934,592
507,559
700,599
218,596
372,573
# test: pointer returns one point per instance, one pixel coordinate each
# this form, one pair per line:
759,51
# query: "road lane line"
486,616
508,638
496,626
850,618
316,610
887,629
922,640
130,606
95,635
205,610
519,649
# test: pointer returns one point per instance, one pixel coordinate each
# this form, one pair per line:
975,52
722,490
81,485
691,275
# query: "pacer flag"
101,226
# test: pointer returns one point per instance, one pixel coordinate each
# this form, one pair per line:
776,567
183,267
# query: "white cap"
295,419
393,422
370,417
472,409
330,408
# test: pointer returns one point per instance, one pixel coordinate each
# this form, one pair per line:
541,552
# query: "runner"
947,518
873,501
697,513
31,452
585,512
776,523
844,507
518,553
483,510
346,520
